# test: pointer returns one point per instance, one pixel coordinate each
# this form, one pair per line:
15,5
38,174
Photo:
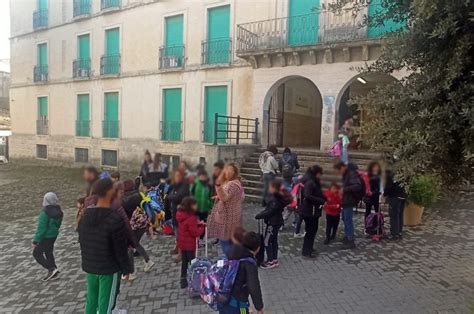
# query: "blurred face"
229,172
114,179
217,171
178,177
148,157
195,208
375,169
182,166
318,175
334,189
203,177
272,189
79,205
341,171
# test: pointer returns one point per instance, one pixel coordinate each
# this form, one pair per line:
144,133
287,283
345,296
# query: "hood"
50,199
53,211
183,215
237,251
95,215
265,155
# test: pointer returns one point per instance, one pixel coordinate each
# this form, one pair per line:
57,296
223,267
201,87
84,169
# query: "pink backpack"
296,193
336,149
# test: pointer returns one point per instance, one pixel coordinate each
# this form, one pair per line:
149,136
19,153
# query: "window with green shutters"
171,125
303,22
215,101
40,16
83,115
111,115
389,25
110,62
42,121
172,53
217,47
81,7
82,65
41,68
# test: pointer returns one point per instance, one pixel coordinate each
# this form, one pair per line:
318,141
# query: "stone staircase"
251,174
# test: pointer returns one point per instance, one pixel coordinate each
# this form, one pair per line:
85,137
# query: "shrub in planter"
422,192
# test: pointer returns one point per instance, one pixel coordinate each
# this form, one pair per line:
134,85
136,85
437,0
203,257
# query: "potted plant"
423,191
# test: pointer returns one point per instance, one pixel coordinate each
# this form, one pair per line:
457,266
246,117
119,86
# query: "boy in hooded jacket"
49,222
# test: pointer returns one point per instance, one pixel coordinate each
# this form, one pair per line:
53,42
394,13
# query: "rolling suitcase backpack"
199,268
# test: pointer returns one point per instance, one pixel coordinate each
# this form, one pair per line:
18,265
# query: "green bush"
423,190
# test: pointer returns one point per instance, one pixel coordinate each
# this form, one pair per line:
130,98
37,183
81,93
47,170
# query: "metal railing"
40,18
83,128
110,64
81,68
110,129
216,51
230,130
42,127
171,57
81,7
171,131
40,73
309,29
107,4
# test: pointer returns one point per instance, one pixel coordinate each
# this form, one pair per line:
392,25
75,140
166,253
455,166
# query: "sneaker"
309,256
51,274
326,242
148,266
299,235
183,283
266,265
132,277
275,263
349,245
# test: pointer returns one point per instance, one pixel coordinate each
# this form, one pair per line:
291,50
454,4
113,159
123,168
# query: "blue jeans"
347,214
225,246
345,155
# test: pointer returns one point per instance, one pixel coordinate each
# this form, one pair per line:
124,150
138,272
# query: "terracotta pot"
412,214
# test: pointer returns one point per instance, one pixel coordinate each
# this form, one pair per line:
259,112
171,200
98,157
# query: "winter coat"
393,188
246,281
267,163
130,201
290,159
313,197
176,195
202,192
49,222
374,181
351,187
332,206
273,213
189,230
103,241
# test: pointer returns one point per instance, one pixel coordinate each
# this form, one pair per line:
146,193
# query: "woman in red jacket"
189,231
332,207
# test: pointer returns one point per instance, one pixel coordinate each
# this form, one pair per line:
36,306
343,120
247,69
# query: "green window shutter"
42,54
112,41
171,125
83,47
215,98
303,22
375,8
174,30
43,108
83,115
111,115
42,4
218,35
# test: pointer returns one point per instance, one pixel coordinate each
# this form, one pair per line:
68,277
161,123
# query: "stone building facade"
100,81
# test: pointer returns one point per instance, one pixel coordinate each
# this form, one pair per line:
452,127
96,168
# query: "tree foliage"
425,121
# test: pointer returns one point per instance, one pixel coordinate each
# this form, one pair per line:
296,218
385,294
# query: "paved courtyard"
430,271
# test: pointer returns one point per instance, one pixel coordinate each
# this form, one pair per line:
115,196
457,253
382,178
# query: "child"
202,192
139,224
80,206
190,229
49,222
246,282
332,207
278,198
115,176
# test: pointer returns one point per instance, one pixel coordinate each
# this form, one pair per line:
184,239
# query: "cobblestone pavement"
430,271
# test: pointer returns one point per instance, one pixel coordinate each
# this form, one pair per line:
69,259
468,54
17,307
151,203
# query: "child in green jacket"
202,192
49,222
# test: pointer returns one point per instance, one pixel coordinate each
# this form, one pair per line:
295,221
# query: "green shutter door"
83,116
303,22
111,115
218,35
42,4
42,108
83,51
215,102
42,54
112,42
171,128
174,37
375,8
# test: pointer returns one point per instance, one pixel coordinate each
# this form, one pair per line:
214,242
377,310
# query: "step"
316,152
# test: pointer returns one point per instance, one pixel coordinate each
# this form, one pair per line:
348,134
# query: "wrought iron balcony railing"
108,4
81,68
110,64
110,129
42,127
83,128
171,131
216,51
230,130
40,18
172,57
81,7
40,73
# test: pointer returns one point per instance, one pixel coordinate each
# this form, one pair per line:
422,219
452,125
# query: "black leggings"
186,258
138,234
369,205
44,254
271,242
332,222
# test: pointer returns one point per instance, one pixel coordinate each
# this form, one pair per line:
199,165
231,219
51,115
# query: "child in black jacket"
278,198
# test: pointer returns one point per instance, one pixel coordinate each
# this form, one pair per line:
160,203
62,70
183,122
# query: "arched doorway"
292,113
349,113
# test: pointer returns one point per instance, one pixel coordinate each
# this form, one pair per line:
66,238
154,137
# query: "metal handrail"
172,56
81,68
110,64
40,73
231,130
171,131
42,127
216,51
81,7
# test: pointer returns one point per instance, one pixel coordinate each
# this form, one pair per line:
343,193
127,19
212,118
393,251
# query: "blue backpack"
198,269
217,284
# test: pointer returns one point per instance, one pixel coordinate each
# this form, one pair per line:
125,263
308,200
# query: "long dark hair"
371,167
314,170
187,203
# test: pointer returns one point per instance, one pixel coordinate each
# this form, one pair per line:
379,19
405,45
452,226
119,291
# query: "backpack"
297,194
374,224
139,219
218,283
198,269
152,204
365,183
336,149
287,170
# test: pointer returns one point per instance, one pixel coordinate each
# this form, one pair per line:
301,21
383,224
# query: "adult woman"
226,214
313,199
147,162
372,201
